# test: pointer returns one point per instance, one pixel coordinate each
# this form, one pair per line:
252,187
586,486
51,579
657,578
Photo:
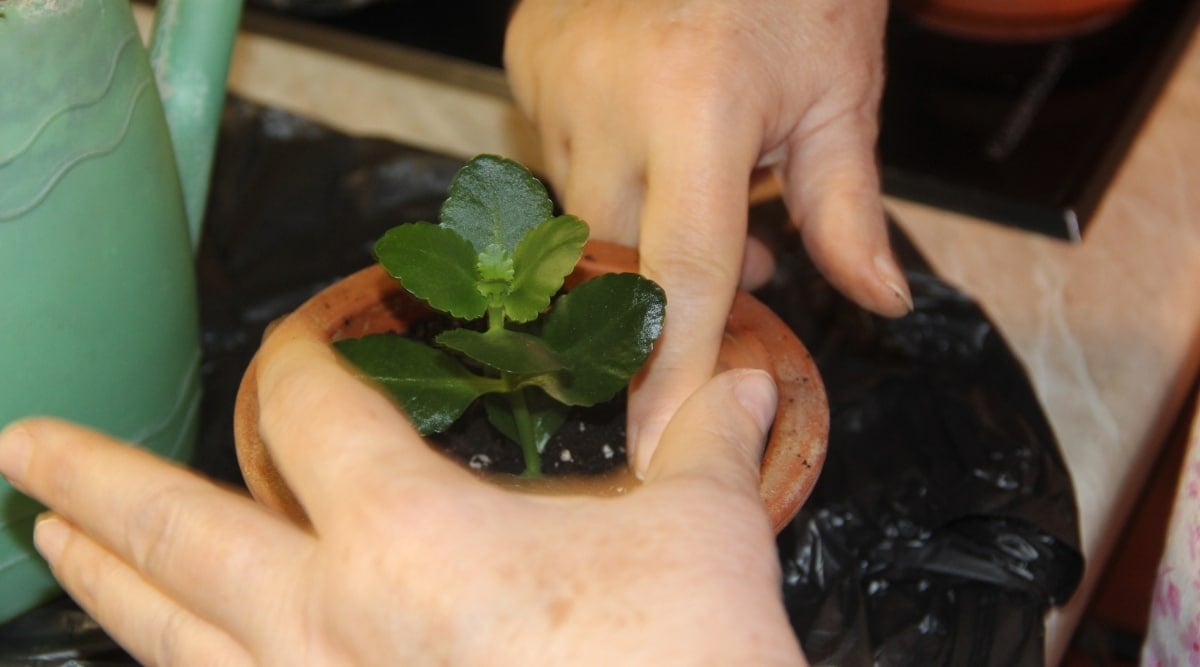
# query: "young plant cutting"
496,263
467,324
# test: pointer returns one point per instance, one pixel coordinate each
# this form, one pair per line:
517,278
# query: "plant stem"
533,458
526,436
495,317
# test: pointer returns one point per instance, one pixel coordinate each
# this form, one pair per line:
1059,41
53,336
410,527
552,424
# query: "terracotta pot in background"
370,301
1015,20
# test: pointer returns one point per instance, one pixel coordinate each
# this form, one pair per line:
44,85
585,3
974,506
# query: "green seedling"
498,258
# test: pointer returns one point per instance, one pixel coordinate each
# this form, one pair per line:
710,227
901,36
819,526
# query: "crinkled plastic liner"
943,526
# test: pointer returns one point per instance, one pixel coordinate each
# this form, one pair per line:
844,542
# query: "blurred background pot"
1015,20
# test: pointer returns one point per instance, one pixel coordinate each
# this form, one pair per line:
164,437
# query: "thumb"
720,431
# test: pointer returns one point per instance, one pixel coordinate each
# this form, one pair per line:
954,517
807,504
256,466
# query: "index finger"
692,242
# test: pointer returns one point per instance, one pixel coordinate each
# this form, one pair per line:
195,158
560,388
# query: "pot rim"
755,336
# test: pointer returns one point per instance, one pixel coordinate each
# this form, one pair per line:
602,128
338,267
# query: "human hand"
654,117
411,559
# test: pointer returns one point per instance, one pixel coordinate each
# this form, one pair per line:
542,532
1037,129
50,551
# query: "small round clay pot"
1015,20
370,301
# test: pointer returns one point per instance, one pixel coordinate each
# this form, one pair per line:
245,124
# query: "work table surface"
1107,329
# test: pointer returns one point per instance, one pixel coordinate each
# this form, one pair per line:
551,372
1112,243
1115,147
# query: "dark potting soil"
590,443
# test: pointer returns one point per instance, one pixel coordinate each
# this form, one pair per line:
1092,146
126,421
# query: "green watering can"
101,198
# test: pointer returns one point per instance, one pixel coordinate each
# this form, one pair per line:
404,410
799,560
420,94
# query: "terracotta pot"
370,301
1015,20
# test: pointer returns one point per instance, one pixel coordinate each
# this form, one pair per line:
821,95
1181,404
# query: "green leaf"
544,257
436,265
504,349
495,200
605,329
495,269
432,386
546,414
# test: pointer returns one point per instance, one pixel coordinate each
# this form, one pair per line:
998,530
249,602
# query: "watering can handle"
190,52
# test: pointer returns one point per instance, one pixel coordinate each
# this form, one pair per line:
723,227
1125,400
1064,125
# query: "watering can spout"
190,52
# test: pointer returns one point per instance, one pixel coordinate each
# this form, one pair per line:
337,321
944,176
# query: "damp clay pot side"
371,301
1015,20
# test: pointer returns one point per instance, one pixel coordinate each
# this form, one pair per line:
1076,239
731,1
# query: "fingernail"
890,275
16,446
50,535
644,440
755,391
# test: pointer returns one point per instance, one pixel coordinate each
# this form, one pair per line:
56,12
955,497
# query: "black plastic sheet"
943,526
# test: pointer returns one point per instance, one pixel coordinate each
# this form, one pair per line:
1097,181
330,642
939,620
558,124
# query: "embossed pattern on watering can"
96,273
91,222
52,147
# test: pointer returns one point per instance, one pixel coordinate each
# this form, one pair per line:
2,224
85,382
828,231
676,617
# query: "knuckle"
703,53
152,530
166,651
690,271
